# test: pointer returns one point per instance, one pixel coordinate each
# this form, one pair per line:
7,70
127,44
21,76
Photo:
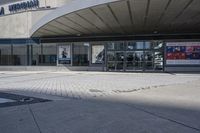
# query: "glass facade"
5,55
114,56
19,55
49,54
13,55
133,56
36,55
81,54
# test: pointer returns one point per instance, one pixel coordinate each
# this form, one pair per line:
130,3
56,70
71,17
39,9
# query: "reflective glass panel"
111,45
5,55
139,45
111,56
131,46
19,54
147,45
119,56
49,54
119,46
81,54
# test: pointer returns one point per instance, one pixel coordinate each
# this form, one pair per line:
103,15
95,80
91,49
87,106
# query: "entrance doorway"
135,56
80,54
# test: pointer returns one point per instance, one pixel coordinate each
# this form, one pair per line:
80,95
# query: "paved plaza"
87,84
100,102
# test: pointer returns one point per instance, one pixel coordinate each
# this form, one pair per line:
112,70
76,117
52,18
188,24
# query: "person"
64,53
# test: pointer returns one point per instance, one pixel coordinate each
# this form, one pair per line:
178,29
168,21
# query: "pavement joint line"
36,79
165,118
22,75
35,121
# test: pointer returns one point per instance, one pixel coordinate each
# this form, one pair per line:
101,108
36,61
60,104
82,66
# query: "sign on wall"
21,6
97,54
64,54
180,53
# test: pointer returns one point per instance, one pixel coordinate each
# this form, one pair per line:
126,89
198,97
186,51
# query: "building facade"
103,35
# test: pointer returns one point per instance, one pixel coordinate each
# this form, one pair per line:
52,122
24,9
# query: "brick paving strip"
86,85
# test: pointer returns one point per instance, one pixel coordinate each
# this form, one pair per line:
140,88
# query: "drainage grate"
16,100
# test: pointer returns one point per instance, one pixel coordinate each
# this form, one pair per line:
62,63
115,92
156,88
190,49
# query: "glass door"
111,61
119,61
80,54
135,56
130,61
139,60
115,56
148,60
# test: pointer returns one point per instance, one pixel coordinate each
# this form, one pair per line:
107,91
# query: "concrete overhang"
120,17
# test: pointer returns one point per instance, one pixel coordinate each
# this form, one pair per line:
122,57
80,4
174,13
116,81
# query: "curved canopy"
120,17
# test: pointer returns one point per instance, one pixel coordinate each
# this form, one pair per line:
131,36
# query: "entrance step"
50,68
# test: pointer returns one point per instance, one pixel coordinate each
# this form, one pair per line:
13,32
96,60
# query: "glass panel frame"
136,55
35,55
80,54
48,54
5,55
20,57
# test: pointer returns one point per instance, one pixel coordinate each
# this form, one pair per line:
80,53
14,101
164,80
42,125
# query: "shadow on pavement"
98,116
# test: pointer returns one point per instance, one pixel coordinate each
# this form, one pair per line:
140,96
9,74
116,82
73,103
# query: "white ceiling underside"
127,17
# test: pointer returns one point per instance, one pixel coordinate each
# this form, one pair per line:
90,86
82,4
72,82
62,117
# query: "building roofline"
68,8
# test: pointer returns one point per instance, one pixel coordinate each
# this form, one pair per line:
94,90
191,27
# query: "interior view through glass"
133,56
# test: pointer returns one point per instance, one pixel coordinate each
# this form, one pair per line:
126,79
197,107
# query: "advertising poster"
97,54
183,53
64,54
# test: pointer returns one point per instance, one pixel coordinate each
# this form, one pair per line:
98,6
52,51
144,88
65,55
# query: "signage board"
97,54
183,53
64,56
21,6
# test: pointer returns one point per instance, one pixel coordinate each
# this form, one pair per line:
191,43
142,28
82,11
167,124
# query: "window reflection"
111,66
36,55
130,46
158,45
147,45
19,54
119,46
5,55
80,54
139,45
111,46
111,56
130,56
138,55
120,56
49,54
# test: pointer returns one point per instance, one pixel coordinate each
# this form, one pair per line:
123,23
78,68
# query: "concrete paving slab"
17,120
103,103
179,103
75,116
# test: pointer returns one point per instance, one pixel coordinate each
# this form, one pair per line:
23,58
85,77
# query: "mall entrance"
135,56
